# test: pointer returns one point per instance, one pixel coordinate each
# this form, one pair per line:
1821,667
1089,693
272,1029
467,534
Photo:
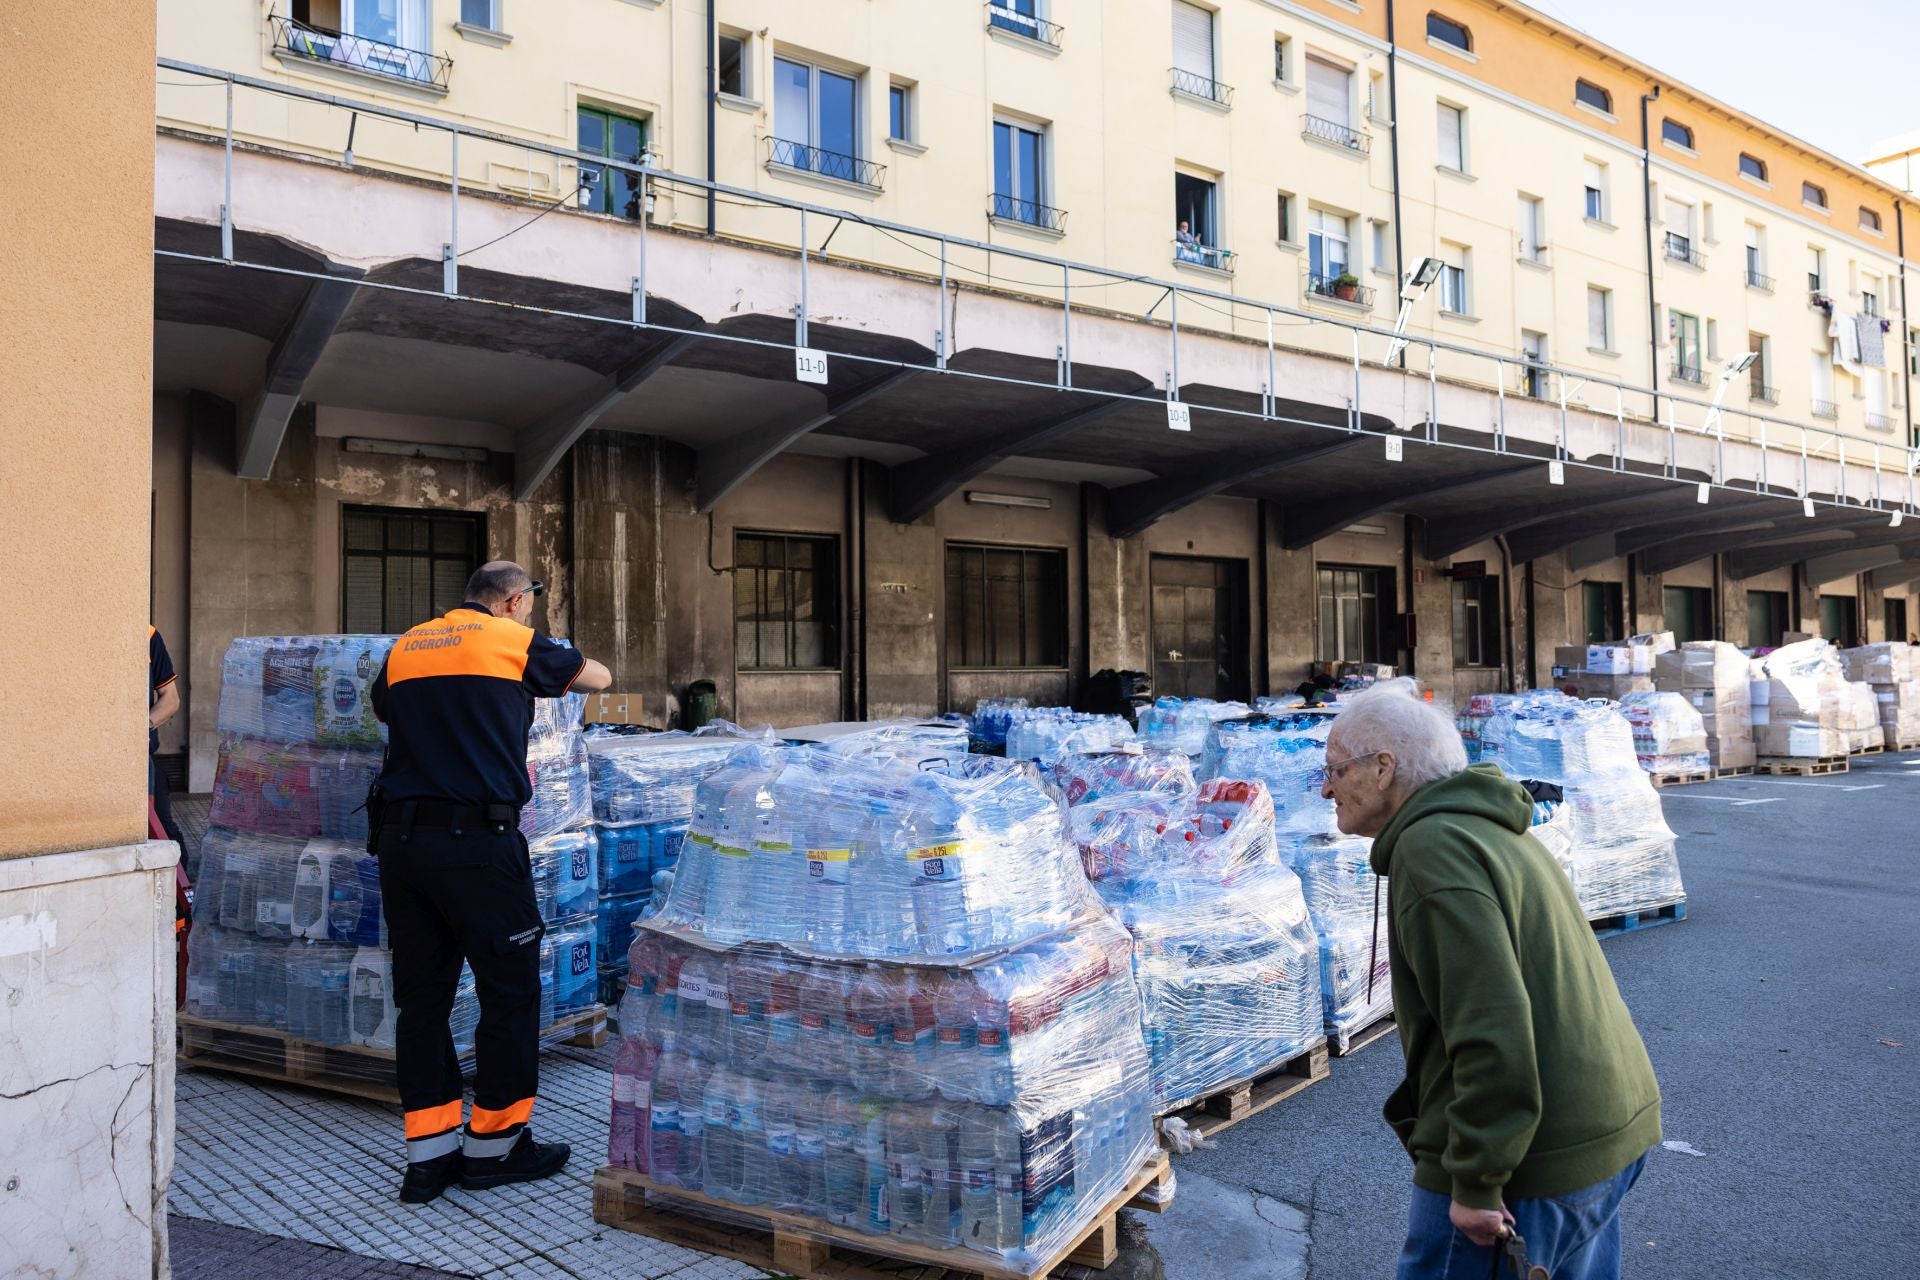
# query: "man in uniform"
457,696
163,704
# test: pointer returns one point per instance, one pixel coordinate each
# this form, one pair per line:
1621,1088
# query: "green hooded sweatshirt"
1525,1076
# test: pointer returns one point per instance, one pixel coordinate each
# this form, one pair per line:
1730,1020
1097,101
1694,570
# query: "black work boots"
528,1161
428,1178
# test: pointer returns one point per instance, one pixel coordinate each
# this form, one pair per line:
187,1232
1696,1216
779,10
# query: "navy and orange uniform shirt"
160,674
457,696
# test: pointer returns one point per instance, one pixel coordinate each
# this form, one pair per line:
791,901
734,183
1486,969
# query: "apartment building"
1221,201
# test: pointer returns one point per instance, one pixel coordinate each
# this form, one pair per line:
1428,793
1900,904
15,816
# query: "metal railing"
1760,391
340,49
1195,85
1825,409
1680,249
1781,448
1332,131
1193,253
1002,17
784,154
1759,280
1032,213
1681,371
1341,287
1879,421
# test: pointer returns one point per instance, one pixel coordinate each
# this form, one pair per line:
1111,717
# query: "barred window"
400,568
1006,606
786,602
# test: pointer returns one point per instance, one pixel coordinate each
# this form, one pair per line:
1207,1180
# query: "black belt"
456,817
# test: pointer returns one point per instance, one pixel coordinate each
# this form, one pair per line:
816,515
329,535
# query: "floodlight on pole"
1734,368
1416,283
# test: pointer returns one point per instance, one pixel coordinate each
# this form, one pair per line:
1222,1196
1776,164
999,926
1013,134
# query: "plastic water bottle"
938,1143
876,1184
547,981
988,1160
336,979
993,1035
809,1189
880,877
824,835
956,1048
781,1166
940,867
783,1018
698,1033
633,1069
776,872
663,1122
822,1048
840,1126
747,1109
691,1088
912,1039
870,1032
908,1189
722,1142
640,1000
748,988
269,988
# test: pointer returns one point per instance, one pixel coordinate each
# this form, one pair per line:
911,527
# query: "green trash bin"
703,703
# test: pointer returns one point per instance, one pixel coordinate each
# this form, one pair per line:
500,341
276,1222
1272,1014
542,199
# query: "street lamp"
1733,369
1417,282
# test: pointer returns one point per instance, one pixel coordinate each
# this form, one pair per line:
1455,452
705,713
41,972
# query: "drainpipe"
1506,609
1393,138
1906,333
1261,665
1646,201
1533,636
1083,669
1406,587
713,113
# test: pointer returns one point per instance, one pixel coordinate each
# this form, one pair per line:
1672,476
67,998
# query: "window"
1356,610
1674,132
1022,17
1281,47
1815,196
1377,97
481,13
1606,611
1870,297
399,568
1822,383
1284,209
1587,93
1713,339
1019,174
1753,167
1817,269
1382,255
1193,49
1766,619
786,602
1757,384
1534,374
899,112
618,137
1330,95
1476,622
1689,613
1873,383
1913,352
1453,280
1328,250
1453,137
1840,620
1449,32
1532,228
1006,606
1685,332
1757,257
730,64
1596,191
1869,220
1196,231
1599,318
402,24
814,113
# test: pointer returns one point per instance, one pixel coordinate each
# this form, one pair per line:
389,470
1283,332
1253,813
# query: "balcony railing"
1339,287
783,154
317,44
1879,421
1681,371
1825,409
1820,300
1195,85
1339,135
1002,17
1193,253
1760,281
1680,249
1010,209
1760,391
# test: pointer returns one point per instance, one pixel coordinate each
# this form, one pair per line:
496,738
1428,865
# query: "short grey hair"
495,580
1392,716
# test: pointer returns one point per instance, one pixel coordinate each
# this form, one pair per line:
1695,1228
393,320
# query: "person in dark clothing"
456,883
163,704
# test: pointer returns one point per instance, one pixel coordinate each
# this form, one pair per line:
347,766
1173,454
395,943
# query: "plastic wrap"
1799,701
995,1108
1348,905
1224,954
874,856
650,777
1886,664
1668,733
1044,734
566,874
991,719
903,739
1289,755
1899,712
1182,724
1123,770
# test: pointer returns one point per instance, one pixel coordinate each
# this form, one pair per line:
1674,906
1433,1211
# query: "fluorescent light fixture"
1898,516
1367,530
406,449
978,498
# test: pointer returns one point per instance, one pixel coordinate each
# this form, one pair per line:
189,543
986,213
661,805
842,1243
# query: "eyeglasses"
1338,771
534,588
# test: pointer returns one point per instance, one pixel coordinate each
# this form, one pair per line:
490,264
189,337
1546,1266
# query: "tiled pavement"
209,1251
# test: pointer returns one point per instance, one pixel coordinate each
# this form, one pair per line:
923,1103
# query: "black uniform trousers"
453,893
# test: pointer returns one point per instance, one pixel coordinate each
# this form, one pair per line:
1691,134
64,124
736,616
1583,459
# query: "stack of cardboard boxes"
1612,670
1890,672
1801,703
1714,677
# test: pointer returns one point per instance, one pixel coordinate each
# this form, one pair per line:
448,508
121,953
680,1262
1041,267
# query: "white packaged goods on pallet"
997,1107
1889,663
288,937
1799,702
1224,952
1623,853
1899,707
1182,724
1714,678
1668,733
1044,734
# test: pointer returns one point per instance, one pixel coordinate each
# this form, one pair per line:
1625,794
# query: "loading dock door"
1199,627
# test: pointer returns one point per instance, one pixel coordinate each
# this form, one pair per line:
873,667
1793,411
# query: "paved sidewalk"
202,1250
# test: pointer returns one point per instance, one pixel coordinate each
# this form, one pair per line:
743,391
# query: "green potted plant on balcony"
1346,286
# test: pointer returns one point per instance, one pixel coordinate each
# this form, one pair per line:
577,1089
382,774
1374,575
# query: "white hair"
1392,716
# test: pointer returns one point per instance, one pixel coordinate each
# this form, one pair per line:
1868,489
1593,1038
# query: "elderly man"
1529,1103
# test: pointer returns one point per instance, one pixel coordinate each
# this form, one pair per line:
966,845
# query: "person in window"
1186,245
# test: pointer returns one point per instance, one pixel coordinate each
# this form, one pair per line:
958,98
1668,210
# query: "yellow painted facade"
1507,203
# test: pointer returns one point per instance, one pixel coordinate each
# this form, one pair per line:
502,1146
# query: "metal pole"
1174,312
226,209
1619,429
450,252
940,316
1066,325
1765,483
640,281
800,313
1433,393
1500,394
1356,379
1272,388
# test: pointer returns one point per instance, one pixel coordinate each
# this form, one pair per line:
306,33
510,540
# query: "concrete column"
1293,610
905,574
1433,610
1873,613
1733,607
1648,606
1557,616
1117,595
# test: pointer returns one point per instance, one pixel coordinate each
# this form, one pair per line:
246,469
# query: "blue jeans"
1575,1236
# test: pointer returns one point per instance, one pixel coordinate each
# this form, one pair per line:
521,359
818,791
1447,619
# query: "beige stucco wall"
76,322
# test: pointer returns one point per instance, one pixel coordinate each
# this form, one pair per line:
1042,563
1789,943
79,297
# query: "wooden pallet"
356,1070
1358,1040
1229,1105
794,1245
1866,751
1737,771
1801,766
1904,744
1627,922
1680,779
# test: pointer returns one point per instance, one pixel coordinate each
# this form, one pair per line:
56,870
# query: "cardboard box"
1609,659
1571,656
613,708
1705,664
1657,641
1798,741
1889,663
1731,753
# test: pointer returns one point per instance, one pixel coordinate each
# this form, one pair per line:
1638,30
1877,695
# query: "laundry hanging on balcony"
1872,342
1845,333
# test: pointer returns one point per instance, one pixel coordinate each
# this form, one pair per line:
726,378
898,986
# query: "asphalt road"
1783,1018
